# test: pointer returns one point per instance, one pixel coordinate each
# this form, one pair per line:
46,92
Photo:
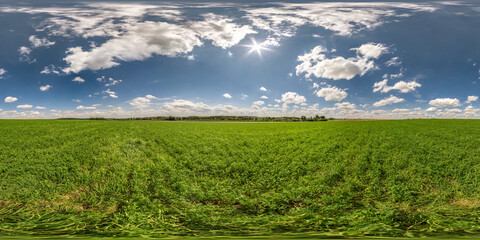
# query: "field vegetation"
147,178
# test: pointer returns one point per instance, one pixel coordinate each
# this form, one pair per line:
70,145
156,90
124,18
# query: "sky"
346,59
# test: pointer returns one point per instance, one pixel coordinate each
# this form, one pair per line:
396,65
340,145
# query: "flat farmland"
145,178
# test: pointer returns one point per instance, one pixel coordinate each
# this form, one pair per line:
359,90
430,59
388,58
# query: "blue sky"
418,59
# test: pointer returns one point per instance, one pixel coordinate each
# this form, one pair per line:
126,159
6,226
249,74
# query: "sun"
256,47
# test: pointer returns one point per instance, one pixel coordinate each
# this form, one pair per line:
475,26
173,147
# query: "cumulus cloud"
471,99
343,18
25,54
25,106
162,29
445,102
50,69
317,64
402,86
111,93
263,89
40,108
140,102
345,106
400,110
2,72
85,108
39,42
264,97
258,103
387,101
79,80
10,99
293,97
149,37
371,50
226,95
221,30
150,96
394,61
45,88
111,82
470,110
184,106
332,94
431,109
156,38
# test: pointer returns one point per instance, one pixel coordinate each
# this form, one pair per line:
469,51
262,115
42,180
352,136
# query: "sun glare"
256,47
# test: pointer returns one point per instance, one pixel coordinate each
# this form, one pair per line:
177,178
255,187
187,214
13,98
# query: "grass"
131,178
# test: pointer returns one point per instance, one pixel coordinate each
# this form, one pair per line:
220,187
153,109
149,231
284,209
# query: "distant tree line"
235,118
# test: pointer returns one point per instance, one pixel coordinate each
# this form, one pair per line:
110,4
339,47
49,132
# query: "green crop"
136,178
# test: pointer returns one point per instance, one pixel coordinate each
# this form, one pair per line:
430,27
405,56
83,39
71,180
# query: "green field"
143,178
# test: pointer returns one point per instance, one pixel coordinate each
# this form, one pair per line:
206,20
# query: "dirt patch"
467,203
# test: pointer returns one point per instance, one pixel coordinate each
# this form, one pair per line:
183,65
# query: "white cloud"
345,106
112,82
24,50
400,110
111,93
79,80
258,103
76,100
431,109
50,69
25,54
343,18
316,63
402,86
315,85
150,96
221,30
445,102
371,50
39,42
158,38
293,97
149,37
387,101
191,57
226,95
183,107
471,99
470,110
244,96
25,106
264,97
263,89
85,108
45,88
140,102
40,108
124,23
332,94
394,61
2,72
230,54
10,99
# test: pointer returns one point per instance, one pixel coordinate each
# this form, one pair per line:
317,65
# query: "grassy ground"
126,178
